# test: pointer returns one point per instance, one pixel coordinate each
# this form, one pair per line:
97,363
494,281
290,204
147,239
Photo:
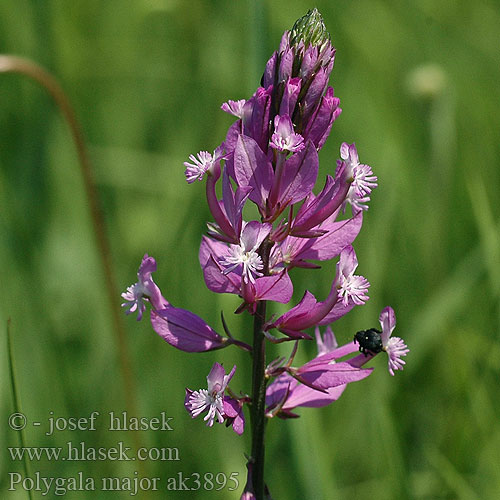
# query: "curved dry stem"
13,64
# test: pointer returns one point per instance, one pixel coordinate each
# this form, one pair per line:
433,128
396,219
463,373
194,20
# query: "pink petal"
299,175
387,320
252,168
185,330
332,375
215,378
277,287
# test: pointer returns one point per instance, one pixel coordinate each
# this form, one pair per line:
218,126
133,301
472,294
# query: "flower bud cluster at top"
270,158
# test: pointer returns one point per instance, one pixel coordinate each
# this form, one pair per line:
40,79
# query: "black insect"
370,341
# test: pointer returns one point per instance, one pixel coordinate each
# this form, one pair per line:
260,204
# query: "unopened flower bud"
309,29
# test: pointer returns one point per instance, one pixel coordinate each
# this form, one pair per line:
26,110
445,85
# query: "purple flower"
219,279
294,251
373,341
199,166
350,286
317,383
328,374
203,163
228,212
216,276
144,289
211,399
277,287
346,291
284,137
293,180
244,256
393,346
255,119
363,179
320,124
308,312
317,209
234,108
290,95
180,328
285,394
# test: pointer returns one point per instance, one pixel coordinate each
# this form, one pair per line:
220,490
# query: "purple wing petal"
185,330
232,409
278,288
215,279
339,235
308,397
254,233
332,375
297,313
299,175
252,168
336,312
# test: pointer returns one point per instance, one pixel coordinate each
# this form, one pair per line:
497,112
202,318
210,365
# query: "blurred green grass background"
419,83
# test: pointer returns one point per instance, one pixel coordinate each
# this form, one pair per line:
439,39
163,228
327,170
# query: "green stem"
258,401
259,387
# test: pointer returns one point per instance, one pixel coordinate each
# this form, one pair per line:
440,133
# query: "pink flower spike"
212,398
144,289
284,137
234,108
393,346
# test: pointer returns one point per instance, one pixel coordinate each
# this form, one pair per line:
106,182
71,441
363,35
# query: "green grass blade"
16,401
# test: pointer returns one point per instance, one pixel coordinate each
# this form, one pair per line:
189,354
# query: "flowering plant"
269,158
